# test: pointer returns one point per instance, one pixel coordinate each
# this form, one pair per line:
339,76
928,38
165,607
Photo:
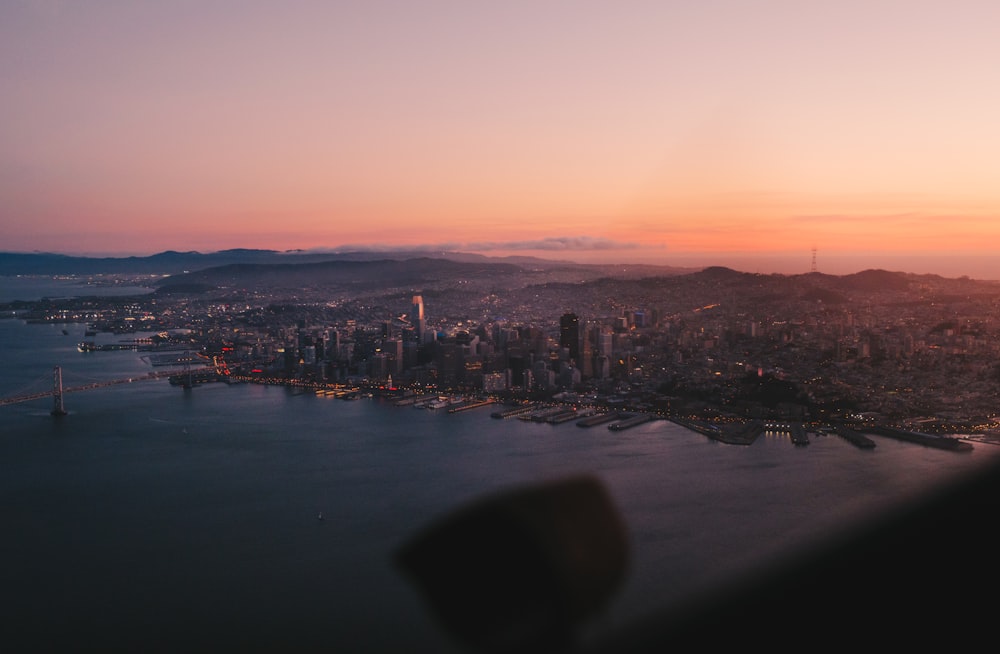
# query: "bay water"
174,519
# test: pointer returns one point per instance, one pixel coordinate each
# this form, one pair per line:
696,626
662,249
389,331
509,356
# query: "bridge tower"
58,409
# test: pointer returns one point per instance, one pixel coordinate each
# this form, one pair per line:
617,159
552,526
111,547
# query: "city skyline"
727,133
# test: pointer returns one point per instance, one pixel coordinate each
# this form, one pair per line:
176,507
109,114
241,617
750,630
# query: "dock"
472,404
630,422
560,418
705,428
855,437
930,440
542,414
746,434
514,412
798,434
597,419
731,434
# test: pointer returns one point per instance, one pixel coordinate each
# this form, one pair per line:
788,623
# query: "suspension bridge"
58,389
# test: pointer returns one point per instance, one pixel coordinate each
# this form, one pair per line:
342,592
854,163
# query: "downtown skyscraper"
417,317
569,335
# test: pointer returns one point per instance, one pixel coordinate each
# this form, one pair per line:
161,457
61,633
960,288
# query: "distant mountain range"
468,279
172,263
365,272
359,275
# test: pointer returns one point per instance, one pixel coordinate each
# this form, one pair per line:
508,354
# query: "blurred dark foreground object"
523,570
922,578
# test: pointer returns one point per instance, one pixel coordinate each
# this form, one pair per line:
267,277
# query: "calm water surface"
156,515
34,287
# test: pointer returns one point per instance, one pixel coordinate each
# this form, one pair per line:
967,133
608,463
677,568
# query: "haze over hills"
491,288
463,284
370,273
171,262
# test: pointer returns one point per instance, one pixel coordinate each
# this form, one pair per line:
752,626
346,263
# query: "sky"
768,135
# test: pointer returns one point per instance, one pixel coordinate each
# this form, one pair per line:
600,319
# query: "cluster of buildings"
492,358
737,345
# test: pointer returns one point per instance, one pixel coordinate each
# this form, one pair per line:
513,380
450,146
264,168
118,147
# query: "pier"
570,414
630,422
731,434
795,431
930,440
543,414
855,438
514,412
597,419
472,404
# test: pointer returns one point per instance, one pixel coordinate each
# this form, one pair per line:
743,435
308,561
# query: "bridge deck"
15,399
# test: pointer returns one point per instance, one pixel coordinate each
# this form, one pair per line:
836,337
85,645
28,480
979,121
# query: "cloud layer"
550,244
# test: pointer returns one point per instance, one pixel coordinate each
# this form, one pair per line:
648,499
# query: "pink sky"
717,132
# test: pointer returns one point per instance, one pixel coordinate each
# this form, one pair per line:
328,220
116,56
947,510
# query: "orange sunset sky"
719,132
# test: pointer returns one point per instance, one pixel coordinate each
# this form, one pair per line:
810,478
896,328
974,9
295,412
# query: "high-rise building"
451,364
379,366
569,335
602,367
586,362
605,343
394,348
417,317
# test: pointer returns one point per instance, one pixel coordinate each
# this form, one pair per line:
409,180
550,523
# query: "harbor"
729,432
